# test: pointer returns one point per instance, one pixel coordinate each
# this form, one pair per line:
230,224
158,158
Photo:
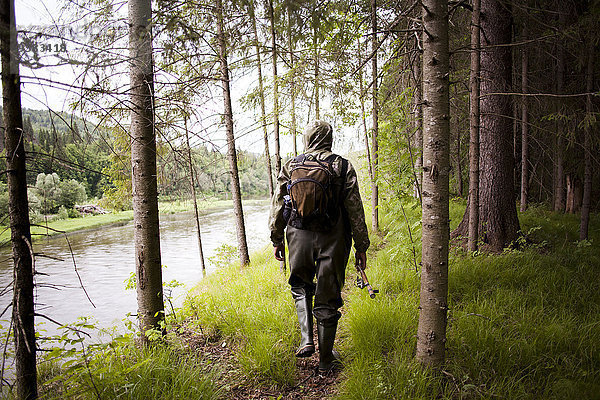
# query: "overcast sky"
48,13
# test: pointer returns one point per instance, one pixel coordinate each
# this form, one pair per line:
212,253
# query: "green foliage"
521,325
251,308
71,368
51,194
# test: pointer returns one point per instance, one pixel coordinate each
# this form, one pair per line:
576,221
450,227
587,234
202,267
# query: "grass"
251,307
126,371
524,324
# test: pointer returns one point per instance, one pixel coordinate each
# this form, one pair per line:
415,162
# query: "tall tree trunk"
143,162
524,125
473,230
497,209
275,89
18,208
459,182
293,127
418,96
375,131
498,220
363,113
315,23
559,179
231,152
431,333
261,89
193,189
587,176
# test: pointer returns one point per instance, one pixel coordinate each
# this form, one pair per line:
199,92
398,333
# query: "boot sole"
305,351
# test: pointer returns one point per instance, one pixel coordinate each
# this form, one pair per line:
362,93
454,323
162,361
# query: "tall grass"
128,372
252,307
524,324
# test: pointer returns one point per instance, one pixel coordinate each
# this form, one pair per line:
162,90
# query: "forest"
473,127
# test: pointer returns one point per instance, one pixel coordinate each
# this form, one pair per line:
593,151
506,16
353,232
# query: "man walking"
317,199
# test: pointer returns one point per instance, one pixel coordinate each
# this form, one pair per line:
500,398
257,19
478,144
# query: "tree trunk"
459,182
315,23
431,333
193,188
363,116
262,101
275,89
524,125
231,152
143,162
418,96
473,232
375,131
587,176
559,180
18,209
498,222
293,127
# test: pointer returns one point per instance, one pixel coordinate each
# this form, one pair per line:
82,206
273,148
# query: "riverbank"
522,324
91,222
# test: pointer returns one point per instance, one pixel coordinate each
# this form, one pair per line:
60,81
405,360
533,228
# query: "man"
319,251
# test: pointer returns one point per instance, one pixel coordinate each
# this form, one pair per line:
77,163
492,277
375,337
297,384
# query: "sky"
31,14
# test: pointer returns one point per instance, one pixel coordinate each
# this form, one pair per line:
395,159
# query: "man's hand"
279,252
361,260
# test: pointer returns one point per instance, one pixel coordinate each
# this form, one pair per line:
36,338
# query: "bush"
50,194
71,193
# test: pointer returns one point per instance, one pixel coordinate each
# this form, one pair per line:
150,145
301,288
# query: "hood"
318,135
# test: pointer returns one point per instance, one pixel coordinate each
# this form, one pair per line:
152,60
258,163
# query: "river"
104,259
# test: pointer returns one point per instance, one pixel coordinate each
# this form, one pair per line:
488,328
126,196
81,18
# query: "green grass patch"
122,370
521,325
252,308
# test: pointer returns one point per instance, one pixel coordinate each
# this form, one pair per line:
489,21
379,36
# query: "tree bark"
498,222
315,26
363,116
275,89
431,333
261,89
143,163
587,175
193,189
375,129
559,180
231,152
459,182
473,232
18,209
418,96
293,127
524,125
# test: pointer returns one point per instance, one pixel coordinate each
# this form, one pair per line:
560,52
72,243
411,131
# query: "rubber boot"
329,359
305,319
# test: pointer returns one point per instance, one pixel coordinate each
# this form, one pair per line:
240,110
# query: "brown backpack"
314,192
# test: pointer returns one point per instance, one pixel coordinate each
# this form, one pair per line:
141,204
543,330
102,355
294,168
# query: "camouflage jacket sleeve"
356,214
276,222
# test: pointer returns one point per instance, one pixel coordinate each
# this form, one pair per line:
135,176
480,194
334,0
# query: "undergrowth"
524,324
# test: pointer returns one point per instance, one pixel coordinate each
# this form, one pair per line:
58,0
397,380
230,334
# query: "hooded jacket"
318,140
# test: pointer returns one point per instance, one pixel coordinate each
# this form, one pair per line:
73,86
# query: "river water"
104,260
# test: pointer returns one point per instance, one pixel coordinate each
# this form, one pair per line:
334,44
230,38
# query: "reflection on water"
104,259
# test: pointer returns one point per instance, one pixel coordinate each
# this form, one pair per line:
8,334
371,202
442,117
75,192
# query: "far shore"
93,222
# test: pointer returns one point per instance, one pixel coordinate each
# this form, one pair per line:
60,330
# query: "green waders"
322,255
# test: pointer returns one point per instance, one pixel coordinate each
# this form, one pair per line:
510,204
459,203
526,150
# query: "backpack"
314,193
